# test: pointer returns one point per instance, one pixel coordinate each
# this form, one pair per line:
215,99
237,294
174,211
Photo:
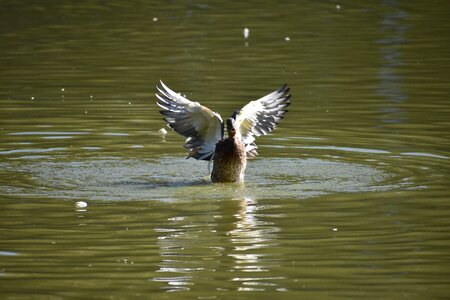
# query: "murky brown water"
348,198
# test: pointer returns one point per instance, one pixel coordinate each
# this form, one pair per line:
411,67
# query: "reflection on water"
180,250
251,265
172,242
189,248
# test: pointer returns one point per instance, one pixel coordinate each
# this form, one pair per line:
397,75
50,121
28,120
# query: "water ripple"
176,179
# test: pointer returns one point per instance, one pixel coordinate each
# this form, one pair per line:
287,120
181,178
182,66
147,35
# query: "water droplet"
246,33
162,131
80,204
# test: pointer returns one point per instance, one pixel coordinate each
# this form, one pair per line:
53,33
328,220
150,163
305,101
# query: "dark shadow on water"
159,184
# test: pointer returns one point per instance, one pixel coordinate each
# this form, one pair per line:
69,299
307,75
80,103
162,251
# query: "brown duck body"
230,160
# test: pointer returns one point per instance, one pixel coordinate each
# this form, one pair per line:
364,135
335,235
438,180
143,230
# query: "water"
348,198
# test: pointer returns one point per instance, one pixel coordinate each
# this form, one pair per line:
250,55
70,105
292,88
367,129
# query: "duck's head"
231,127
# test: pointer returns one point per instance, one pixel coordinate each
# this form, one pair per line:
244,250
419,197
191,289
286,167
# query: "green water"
348,198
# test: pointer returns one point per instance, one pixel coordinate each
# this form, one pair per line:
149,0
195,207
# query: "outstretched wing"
202,127
261,116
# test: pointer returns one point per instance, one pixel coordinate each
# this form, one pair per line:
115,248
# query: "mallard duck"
204,129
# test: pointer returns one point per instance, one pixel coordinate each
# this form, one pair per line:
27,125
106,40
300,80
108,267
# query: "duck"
204,129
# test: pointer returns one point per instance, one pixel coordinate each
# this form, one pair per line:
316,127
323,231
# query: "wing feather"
202,127
261,116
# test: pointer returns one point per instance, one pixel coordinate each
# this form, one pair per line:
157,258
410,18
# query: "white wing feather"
202,126
261,116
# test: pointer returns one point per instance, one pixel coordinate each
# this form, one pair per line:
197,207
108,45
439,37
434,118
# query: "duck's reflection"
250,237
186,250
175,270
220,250
249,233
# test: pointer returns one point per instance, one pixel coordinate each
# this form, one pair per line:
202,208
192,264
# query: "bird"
204,129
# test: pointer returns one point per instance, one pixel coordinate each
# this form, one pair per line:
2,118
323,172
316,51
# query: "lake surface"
349,197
